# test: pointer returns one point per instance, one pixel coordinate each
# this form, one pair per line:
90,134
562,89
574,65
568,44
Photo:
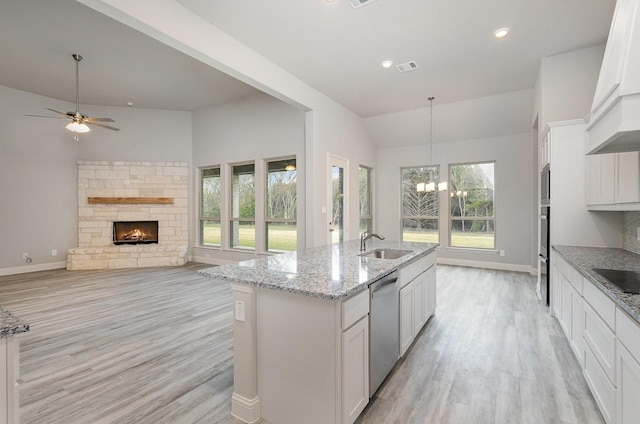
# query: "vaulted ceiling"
330,45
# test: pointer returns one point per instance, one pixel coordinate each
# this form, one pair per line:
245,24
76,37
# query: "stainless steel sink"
385,253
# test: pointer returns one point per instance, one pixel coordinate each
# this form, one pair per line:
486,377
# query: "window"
420,204
281,204
472,221
210,198
242,229
366,218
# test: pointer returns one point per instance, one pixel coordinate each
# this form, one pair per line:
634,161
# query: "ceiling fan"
79,122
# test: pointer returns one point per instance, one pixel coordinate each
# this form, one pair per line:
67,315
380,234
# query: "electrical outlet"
638,236
25,255
502,253
54,252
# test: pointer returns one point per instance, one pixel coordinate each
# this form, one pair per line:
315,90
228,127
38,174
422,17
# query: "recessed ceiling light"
386,64
129,104
501,32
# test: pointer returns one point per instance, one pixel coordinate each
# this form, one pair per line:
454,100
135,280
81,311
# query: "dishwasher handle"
381,285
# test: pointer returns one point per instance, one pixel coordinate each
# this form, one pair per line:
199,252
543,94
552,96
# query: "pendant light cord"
431,129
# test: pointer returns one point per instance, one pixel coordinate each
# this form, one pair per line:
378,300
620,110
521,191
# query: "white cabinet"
613,181
628,369
568,283
417,299
600,349
9,377
355,370
406,318
419,310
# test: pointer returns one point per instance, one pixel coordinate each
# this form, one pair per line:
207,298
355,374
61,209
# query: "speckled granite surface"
10,324
329,272
584,259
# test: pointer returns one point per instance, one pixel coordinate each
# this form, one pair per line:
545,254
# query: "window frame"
404,217
370,194
268,220
492,219
237,220
202,218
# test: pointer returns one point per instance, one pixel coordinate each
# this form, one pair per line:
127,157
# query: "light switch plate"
239,310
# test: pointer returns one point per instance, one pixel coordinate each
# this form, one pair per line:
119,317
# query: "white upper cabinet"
614,124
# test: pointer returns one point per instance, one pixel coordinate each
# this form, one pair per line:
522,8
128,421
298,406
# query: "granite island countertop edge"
10,324
348,252
584,259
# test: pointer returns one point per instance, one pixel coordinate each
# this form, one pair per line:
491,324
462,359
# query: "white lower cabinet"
406,318
417,305
627,369
9,377
355,370
628,394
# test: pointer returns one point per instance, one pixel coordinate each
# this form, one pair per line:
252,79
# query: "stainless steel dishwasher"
383,329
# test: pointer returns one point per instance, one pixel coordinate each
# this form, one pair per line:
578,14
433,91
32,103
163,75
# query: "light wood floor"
155,346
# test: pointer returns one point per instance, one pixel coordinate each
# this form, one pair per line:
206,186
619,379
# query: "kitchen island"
10,329
301,328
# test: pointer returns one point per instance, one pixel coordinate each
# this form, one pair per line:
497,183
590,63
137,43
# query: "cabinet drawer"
570,273
355,308
415,268
601,340
603,391
600,302
628,332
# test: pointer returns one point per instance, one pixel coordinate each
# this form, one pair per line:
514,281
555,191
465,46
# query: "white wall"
38,174
513,186
568,83
255,128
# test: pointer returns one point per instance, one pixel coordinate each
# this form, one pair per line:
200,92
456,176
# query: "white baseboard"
487,265
247,410
32,268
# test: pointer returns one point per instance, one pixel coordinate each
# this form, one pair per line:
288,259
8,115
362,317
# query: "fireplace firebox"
135,232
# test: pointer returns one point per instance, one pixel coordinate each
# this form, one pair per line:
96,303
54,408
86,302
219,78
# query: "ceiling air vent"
407,66
359,3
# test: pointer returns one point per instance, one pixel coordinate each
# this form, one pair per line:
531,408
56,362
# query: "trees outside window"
420,204
210,200
366,215
242,230
281,205
472,220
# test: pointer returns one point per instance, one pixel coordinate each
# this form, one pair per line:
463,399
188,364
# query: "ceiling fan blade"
43,116
61,113
91,120
103,126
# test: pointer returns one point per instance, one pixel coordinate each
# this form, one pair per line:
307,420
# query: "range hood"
614,121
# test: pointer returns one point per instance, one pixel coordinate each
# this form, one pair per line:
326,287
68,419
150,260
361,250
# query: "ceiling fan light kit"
80,123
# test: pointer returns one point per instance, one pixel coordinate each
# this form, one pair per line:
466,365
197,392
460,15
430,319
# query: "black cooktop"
627,281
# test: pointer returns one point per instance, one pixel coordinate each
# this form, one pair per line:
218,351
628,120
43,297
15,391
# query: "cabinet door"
628,393
627,177
556,292
419,289
406,318
430,293
355,370
565,310
577,325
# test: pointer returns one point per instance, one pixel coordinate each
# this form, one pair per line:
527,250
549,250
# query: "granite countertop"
584,259
11,324
330,272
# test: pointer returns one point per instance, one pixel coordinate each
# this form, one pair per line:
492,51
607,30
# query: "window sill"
473,250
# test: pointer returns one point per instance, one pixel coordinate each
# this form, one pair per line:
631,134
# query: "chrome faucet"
366,236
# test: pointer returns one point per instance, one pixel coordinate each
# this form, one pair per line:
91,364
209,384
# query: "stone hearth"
142,180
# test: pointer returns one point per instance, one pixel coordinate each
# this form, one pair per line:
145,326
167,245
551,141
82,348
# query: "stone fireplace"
112,196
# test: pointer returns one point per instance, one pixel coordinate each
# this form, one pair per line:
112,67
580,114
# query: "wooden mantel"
130,200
